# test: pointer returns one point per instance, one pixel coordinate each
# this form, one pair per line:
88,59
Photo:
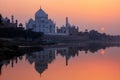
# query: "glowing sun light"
102,29
102,52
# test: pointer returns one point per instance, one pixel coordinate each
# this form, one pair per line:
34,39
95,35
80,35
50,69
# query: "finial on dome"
40,6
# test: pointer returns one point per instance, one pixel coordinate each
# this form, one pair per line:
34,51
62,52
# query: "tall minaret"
12,18
67,26
67,21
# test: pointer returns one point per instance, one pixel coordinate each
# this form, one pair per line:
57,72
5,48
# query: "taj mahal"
43,24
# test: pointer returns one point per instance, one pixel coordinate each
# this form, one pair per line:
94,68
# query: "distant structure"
20,25
48,27
68,29
5,22
12,18
41,23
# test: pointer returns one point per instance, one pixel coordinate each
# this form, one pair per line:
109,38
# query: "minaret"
12,64
67,58
40,7
67,21
12,18
67,26
16,21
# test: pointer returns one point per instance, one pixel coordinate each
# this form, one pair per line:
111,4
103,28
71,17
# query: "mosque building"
43,24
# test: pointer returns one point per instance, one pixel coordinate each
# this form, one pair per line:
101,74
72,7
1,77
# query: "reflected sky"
64,64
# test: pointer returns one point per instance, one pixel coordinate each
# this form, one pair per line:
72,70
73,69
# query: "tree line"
95,35
19,33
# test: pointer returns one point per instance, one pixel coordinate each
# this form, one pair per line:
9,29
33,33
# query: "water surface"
64,63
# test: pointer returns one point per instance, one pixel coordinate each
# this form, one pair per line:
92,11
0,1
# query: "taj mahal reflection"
42,58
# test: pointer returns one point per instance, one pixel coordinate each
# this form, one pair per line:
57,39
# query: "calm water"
64,63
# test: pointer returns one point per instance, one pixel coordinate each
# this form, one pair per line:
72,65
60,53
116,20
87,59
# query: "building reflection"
11,62
68,53
42,58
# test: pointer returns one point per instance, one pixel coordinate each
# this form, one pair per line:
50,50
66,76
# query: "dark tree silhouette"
19,33
0,19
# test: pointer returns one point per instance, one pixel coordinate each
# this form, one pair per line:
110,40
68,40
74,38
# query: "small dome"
6,19
40,13
20,24
40,67
30,21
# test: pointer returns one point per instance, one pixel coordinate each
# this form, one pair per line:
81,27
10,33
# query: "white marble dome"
41,23
41,13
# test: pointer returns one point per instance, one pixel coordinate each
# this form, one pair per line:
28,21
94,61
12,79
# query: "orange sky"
87,14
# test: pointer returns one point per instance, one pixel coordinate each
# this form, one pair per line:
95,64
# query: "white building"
41,23
47,26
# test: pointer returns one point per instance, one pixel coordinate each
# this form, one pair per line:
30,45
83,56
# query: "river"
64,63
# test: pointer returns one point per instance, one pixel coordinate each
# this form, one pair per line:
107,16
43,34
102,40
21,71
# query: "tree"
94,35
0,19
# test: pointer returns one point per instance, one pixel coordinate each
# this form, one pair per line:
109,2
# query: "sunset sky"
87,14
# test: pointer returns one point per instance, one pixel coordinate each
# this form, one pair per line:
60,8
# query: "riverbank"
10,48
13,43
